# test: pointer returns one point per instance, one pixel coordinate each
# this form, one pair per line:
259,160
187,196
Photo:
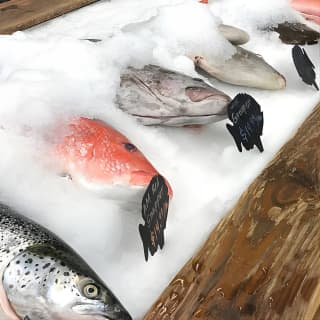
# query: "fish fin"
143,230
235,136
315,85
307,58
259,144
6,305
26,318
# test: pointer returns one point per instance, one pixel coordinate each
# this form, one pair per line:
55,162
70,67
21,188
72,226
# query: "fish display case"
159,159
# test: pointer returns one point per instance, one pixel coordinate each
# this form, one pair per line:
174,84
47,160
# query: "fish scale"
43,278
28,266
18,233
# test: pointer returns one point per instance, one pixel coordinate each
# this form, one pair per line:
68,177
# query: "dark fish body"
42,278
296,33
156,96
304,66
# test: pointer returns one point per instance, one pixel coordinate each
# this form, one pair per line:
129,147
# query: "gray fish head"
158,96
45,283
244,68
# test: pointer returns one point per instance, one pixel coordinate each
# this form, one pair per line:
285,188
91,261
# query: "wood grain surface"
22,14
263,260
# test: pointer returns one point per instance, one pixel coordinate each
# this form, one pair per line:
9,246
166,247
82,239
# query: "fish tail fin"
143,230
235,136
259,144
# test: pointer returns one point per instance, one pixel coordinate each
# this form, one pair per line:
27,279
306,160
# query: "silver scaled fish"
42,278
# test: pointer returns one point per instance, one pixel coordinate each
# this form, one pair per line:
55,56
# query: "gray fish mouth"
182,116
181,121
100,311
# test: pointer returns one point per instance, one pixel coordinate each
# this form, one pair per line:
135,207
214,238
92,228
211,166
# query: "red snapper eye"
130,147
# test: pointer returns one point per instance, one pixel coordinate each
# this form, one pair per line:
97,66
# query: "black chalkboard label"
304,66
155,205
247,118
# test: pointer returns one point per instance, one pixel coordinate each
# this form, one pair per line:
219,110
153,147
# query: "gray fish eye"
90,291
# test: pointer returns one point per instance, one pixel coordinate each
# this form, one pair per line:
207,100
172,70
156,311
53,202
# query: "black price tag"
155,205
304,66
247,118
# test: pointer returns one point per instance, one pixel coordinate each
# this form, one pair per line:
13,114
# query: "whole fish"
244,68
156,96
98,156
42,278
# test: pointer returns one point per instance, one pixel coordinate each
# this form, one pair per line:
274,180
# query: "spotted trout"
42,278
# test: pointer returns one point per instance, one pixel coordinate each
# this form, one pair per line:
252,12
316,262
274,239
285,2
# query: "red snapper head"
96,154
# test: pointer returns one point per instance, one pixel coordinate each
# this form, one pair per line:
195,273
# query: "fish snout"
115,311
207,101
143,178
122,315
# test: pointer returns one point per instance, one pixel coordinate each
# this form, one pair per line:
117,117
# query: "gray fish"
156,96
244,68
42,278
234,35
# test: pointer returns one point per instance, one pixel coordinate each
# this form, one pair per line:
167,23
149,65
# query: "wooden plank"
262,261
22,14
